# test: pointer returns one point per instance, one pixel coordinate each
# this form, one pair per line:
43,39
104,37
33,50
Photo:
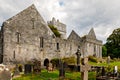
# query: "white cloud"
80,15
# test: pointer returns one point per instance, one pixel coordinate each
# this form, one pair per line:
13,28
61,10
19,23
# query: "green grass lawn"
115,63
54,75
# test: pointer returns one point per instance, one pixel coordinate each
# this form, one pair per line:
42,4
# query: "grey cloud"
80,15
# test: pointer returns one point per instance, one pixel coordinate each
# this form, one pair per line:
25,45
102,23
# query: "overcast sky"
78,15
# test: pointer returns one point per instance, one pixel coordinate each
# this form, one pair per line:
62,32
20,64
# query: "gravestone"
62,70
28,68
50,67
108,60
115,71
16,72
103,71
84,69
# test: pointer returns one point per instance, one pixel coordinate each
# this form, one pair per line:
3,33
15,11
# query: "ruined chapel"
27,36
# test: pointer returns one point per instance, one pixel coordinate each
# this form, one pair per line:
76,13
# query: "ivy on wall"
55,31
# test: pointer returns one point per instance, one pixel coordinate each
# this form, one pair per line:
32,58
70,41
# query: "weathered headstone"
61,70
103,71
50,67
28,68
84,69
115,71
108,60
16,72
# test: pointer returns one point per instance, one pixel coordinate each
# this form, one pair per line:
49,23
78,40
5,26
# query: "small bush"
93,59
69,60
55,62
109,68
20,67
118,69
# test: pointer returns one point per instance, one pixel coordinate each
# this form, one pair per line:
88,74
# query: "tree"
104,51
113,44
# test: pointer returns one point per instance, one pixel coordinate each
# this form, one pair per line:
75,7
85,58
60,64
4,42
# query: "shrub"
20,67
69,60
55,62
109,68
93,59
118,69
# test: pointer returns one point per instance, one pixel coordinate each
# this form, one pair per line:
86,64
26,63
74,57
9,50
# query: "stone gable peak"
91,34
73,35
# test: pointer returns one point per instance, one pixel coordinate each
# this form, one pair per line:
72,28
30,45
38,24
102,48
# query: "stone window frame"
41,42
94,48
33,23
57,46
18,35
14,54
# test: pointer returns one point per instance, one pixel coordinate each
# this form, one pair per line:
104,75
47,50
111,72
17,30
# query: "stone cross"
78,53
84,69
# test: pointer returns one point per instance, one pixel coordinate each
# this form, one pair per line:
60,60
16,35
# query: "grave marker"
84,69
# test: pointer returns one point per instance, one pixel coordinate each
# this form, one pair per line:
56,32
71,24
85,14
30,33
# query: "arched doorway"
46,62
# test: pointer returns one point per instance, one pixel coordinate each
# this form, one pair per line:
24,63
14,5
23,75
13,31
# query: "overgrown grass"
54,75
114,63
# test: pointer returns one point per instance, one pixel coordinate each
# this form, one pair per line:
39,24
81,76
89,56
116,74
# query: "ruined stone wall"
0,47
92,47
29,35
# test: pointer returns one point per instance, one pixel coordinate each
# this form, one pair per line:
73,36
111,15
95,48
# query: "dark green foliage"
113,44
55,62
55,31
104,51
109,68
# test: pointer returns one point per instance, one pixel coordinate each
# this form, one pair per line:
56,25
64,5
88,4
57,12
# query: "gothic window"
41,42
58,46
14,54
94,48
18,37
70,46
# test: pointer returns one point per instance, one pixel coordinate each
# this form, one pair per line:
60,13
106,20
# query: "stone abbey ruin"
27,36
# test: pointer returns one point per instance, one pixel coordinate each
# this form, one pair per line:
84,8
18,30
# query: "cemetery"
85,69
97,71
